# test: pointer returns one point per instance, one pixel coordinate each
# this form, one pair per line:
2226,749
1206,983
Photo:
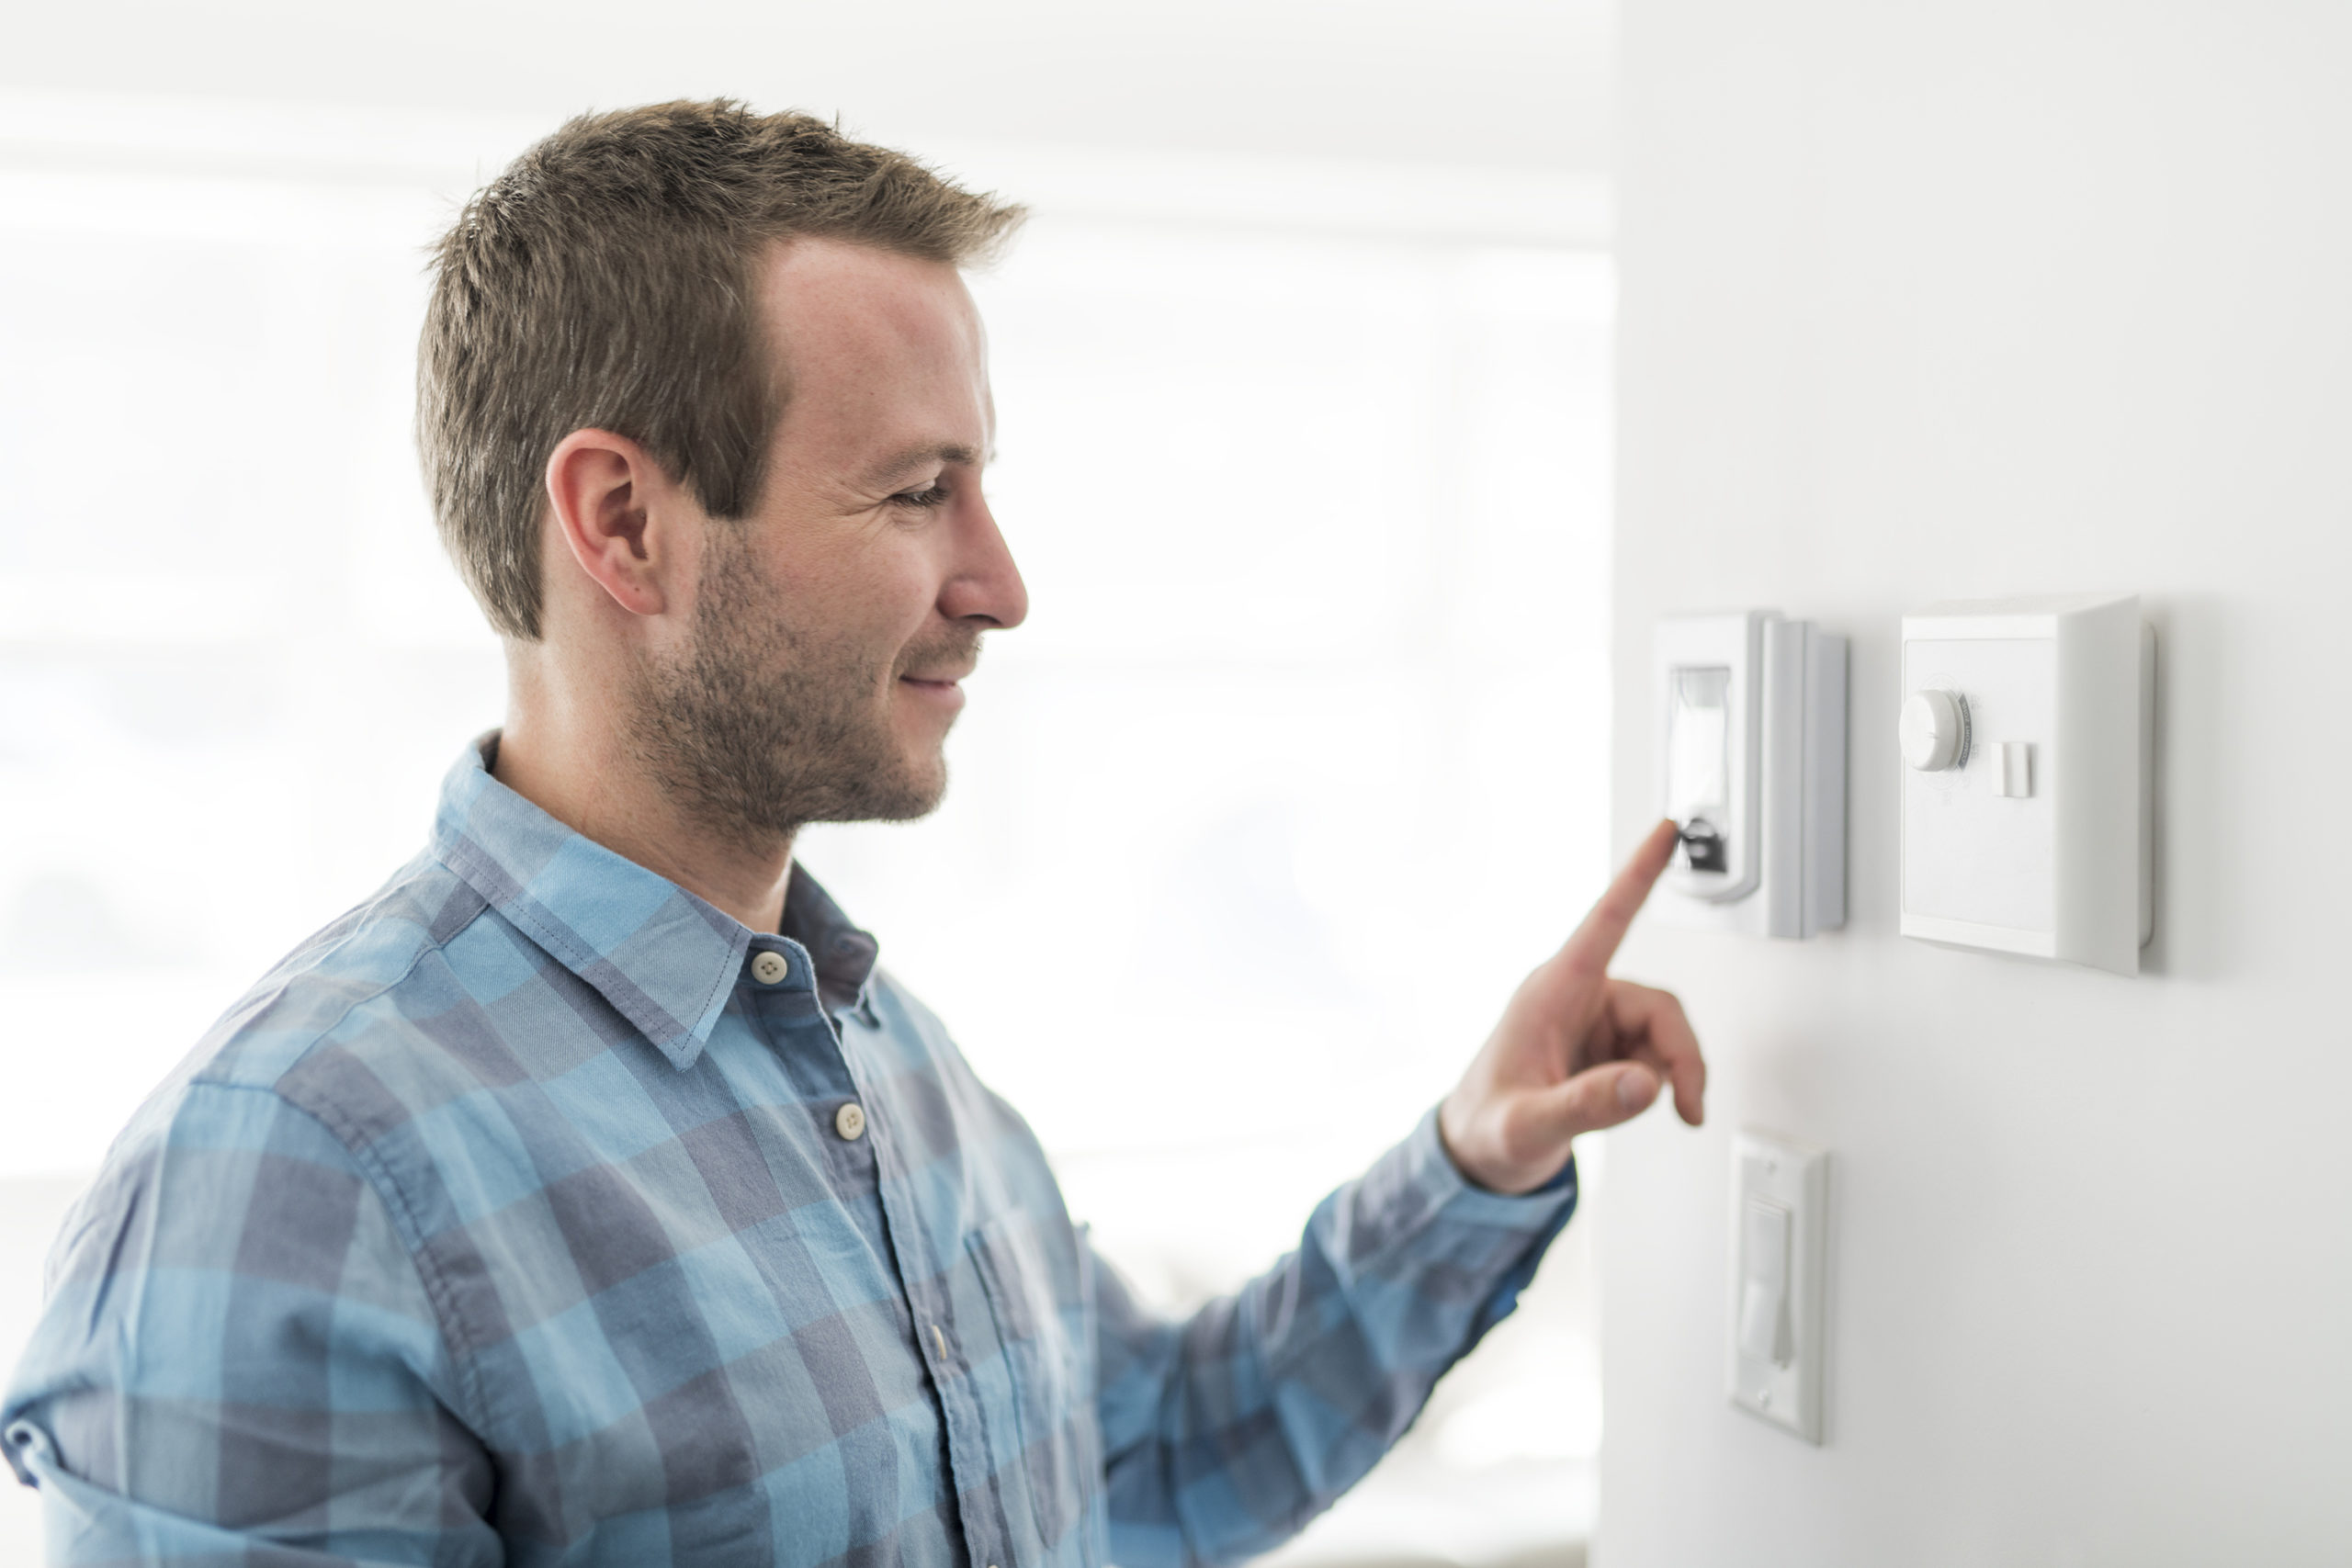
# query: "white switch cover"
2027,756
1779,1218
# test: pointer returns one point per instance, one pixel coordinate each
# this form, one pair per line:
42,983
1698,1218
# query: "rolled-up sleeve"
240,1359
1224,1434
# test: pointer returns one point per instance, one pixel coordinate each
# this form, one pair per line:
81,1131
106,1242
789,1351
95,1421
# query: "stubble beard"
763,728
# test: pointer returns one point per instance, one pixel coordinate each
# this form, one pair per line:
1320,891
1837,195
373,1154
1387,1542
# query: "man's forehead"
882,356
826,292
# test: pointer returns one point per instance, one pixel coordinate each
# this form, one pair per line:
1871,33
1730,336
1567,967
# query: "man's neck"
585,779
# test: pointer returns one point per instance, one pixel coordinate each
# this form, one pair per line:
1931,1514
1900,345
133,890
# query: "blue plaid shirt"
537,1212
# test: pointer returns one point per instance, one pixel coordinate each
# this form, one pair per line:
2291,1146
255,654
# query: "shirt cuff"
1419,1183
1563,1181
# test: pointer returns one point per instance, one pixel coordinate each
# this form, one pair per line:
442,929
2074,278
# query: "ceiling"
1499,82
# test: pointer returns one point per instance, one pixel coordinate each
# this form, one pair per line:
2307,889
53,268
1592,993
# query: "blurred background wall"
1304,373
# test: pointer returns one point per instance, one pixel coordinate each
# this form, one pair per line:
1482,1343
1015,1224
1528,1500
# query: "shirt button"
850,1121
767,968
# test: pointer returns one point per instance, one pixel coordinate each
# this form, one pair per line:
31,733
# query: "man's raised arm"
1225,1434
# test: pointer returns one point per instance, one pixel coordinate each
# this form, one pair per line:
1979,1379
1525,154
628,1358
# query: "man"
588,1195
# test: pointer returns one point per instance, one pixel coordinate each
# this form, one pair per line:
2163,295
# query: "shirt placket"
971,1465
790,1013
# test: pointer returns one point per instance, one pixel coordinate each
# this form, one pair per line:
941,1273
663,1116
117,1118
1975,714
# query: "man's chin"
907,793
925,791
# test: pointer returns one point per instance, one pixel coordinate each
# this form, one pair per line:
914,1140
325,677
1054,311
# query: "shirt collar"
663,958
841,954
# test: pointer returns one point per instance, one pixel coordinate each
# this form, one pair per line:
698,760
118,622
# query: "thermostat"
2027,757
1751,713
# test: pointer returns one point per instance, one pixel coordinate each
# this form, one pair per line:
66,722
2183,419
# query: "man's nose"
988,584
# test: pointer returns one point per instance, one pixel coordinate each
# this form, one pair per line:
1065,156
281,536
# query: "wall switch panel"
1780,1219
2026,740
1751,711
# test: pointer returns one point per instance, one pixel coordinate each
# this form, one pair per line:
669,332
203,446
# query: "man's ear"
618,515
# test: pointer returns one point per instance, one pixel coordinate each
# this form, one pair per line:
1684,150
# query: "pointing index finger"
1595,941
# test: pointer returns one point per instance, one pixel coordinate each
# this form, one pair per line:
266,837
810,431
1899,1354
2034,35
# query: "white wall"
1958,298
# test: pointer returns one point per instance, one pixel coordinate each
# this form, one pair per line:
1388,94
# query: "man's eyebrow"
901,464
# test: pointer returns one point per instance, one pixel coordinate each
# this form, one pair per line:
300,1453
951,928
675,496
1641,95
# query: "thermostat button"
1934,730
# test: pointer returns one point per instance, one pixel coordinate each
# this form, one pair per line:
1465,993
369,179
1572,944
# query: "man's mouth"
938,687
935,672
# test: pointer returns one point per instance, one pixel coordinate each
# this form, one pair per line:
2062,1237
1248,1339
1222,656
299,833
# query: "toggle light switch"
1764,1282
1780,1219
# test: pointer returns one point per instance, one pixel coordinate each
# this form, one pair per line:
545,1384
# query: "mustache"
959,648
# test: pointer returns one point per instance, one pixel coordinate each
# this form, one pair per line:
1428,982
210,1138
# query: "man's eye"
934,496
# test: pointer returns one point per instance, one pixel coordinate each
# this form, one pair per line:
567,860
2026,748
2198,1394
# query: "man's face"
831,628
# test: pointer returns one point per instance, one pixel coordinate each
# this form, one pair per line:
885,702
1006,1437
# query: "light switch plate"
2034,836
1779,1238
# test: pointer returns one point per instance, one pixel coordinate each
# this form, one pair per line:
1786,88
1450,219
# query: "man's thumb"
1603,1097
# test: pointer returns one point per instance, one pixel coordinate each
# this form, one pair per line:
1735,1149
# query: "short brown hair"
607,279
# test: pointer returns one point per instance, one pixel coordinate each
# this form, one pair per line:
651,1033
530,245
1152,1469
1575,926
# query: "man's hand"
1575,1051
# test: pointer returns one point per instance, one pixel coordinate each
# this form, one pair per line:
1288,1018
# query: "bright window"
1298,765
